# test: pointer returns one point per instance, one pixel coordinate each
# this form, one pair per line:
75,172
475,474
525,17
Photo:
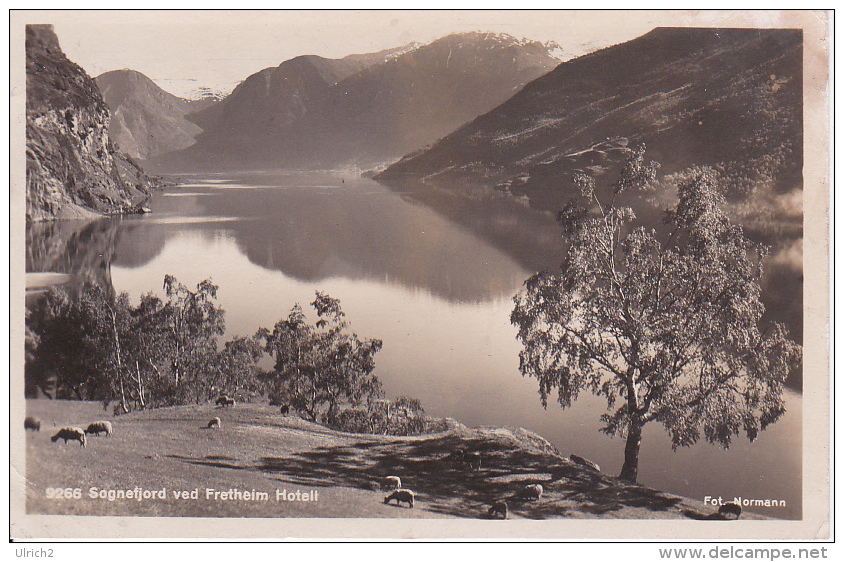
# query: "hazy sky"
220,48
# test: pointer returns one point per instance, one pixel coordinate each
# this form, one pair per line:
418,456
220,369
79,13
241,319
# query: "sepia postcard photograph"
445,274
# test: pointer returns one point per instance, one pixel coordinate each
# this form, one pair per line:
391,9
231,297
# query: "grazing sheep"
532,492
225,401
285,409
456,456
499,507
32,423
473,460
392,482
400,495
68,434
99,427
730,508
214,423
585,462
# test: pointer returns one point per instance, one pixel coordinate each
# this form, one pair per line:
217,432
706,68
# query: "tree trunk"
630,470
123,405
119,361
140,385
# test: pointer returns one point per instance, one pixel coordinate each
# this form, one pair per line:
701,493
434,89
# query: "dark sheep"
456,456
32,423
70,434
285,409
400,495
473,460
225,401
99,427
730,508
498,507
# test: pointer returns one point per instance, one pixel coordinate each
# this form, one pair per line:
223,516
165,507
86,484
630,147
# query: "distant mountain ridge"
274,95
726,98
317,113
193,90
146,120
72,168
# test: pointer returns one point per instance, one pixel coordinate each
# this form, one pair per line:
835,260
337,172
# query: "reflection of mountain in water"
356,230
477,208
82,249
314,227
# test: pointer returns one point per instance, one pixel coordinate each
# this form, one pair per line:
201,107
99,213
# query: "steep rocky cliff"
72,168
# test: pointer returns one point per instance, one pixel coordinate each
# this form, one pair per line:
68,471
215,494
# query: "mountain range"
362,110
730,99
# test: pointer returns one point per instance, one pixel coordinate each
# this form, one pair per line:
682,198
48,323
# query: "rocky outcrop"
72,168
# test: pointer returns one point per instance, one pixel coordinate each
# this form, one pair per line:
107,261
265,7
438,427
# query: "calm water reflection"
437,293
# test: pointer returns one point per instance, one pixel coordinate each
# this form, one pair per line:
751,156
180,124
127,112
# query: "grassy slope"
258,449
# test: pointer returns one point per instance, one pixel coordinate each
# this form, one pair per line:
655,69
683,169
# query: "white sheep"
401,495
68,434
98,427
32,423
392,482
532,492
215,422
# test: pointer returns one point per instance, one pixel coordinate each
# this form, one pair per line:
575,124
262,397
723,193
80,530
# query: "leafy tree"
94,345
99,347
106,322
402,416
666,323
55,361
193,322
146,347
323,363
237,365
409,404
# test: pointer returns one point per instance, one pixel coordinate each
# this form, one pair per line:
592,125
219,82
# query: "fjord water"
437,288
